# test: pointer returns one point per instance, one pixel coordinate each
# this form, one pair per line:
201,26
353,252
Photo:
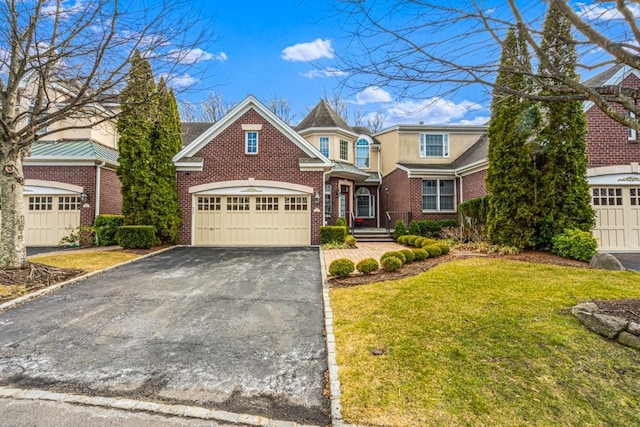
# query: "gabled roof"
72,151
613,76
251,103
323,116
192,130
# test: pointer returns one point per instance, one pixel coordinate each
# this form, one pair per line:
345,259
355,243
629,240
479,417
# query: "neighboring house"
250,179
70,174
613,172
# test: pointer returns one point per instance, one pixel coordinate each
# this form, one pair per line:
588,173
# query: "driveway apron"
237,329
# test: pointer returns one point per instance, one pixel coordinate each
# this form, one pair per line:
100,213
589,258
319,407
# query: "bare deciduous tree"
375,122
281,108
338,104
214,107
66,59
412,47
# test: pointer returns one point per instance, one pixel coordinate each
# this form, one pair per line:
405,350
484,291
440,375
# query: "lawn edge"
53,288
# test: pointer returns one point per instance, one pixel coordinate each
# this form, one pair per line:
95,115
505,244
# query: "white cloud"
596,12
327,72
310,51
371,95
193,56
184,80
476,121
50,9
433,111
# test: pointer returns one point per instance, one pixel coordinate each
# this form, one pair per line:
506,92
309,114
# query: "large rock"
634,328
630,340
606,262
606,325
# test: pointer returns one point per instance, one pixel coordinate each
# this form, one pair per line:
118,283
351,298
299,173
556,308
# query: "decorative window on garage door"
68,203
237,203
635,196
208,203
607,196
41,203
295,204
267,203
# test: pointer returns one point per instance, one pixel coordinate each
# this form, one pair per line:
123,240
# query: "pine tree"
564,199
135,124
512,128
166,141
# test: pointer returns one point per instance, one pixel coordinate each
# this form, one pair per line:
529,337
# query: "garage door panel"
617,225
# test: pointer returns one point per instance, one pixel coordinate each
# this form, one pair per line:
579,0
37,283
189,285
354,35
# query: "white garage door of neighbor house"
617,217
49,218
267,220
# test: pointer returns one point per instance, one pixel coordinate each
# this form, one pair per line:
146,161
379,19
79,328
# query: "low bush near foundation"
396,254
420,254
576,244
136,236
341,267
409,255
332,234
433,250
367,266
391,263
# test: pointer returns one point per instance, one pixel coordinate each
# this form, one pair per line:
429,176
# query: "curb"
50,289
146,406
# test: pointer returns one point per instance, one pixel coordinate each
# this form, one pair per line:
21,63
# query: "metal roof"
71,150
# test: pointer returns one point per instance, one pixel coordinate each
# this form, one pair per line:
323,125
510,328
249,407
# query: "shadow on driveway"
629,260
233,329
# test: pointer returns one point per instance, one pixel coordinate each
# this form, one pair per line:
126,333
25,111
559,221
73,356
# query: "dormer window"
632,134
324,145
362,153
434,145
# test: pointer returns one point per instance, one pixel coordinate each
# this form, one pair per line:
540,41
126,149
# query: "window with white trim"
364,203
434,145
324,145
438,195
41,203
362,154
251,142
327,199
209,203
68,203
606,196
344,150
632,134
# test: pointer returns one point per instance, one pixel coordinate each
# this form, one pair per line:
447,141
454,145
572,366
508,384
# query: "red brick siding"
473,186
225,160
84,176
110,197
607,140
335,201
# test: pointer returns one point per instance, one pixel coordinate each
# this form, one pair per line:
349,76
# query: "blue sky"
289,48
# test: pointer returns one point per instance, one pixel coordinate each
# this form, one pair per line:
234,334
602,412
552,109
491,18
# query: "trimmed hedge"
367,266
391,263
350,241
420,254
409,255
332,234
575,243
136,236
106,227
444,248
428,241
341,267
396,254
418,242
433,250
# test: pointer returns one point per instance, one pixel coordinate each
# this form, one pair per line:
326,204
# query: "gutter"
97,196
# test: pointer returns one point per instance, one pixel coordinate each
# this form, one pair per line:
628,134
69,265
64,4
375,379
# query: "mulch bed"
421,266
36,276
628,309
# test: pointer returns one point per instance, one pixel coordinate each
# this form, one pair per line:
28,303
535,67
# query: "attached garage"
616,201
51,213
251,215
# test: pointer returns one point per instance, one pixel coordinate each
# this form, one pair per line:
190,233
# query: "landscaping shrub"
350,241
428,241
409,255
79,236
341,267
396,254
402,239
414,228
428,228
341,222
332,234
418,242
575,243
443,247
136,236
391,263
106,227
446,223
367,266
400,229
420,254
411,240
433,250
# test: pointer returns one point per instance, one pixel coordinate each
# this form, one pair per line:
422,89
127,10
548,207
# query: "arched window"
365,207
362,153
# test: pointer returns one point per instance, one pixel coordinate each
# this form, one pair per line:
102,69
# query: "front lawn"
88,261
484,342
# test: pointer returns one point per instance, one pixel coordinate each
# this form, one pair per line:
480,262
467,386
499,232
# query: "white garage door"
268,220
617,217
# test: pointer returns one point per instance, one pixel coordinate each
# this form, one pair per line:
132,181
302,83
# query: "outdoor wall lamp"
84,198
316,197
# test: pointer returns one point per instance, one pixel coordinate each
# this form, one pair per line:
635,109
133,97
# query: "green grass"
89,261
484,342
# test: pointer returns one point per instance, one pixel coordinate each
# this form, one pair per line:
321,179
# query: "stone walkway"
364,250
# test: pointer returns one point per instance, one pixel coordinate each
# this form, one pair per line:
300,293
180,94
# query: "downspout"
97,196
324,189
379,185
461,190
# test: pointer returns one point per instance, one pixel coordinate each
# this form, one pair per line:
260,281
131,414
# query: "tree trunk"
13,252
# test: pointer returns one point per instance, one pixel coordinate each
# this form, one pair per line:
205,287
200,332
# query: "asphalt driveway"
233,329
629,260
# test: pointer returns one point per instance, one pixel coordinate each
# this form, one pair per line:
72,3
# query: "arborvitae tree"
135,124
511,175
166,141
563,192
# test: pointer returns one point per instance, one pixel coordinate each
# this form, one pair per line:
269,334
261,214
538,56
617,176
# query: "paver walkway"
364,250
